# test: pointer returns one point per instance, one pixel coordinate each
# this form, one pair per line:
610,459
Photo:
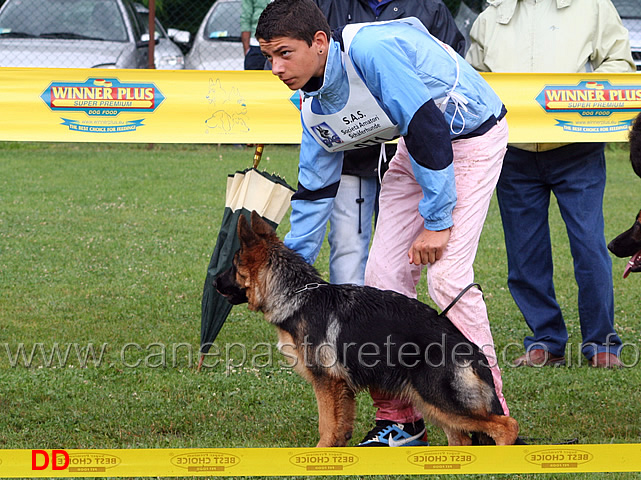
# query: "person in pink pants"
391,266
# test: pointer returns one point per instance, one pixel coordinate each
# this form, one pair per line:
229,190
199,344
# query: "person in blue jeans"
576,174
566,37
355,204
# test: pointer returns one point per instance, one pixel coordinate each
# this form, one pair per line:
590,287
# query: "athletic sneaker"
391,434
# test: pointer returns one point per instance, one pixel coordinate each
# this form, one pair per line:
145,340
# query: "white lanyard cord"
459,100
382,158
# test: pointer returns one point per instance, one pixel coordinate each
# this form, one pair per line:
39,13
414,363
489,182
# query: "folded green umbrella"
247,190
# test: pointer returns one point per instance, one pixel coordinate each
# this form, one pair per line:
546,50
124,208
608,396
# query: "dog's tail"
635,146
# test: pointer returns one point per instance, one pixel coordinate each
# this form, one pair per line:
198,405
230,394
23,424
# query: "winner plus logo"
103,99
590,98
594,101
98,96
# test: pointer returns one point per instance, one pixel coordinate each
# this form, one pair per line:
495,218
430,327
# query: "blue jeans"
350,229
576,175
254,59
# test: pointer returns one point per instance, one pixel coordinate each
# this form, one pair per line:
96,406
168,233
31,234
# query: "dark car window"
224,23
65,19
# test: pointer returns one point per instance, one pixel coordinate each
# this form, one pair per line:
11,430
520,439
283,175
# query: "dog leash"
313,286
458,297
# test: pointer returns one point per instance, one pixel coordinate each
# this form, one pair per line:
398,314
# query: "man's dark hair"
298,19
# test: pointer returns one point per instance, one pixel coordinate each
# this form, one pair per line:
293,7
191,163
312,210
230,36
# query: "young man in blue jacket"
350,224
367,84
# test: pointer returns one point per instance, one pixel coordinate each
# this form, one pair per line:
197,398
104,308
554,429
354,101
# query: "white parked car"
71,33
217,44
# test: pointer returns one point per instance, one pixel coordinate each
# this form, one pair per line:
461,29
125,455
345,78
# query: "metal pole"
152,43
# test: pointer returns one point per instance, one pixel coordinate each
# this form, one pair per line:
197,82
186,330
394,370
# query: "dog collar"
310,286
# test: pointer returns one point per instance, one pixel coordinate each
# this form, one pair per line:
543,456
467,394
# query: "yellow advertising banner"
225,462
187,106
150,106
568,107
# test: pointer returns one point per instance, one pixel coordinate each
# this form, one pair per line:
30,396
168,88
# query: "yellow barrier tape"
188,106
312,462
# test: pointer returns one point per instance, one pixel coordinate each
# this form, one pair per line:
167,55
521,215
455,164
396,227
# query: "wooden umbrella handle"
258,154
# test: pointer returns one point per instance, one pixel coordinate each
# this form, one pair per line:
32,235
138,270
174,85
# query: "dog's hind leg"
502,429
336,411
456,437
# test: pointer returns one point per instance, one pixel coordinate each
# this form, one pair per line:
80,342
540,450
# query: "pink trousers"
477,165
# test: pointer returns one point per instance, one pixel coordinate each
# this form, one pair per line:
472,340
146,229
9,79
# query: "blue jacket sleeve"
318,179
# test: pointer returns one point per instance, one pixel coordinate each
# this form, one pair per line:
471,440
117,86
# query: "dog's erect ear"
260,226
627,243
246,235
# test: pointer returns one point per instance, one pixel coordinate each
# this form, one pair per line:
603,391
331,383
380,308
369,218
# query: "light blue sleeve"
319,174
439,196
308,220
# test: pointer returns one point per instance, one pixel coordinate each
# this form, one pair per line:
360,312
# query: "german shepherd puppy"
346,338
628,243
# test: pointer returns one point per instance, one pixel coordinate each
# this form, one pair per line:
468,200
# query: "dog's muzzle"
226,285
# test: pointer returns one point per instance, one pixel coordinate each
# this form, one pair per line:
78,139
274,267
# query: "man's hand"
428,246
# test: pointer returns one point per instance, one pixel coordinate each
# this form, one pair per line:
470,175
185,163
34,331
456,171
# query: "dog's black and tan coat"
345,338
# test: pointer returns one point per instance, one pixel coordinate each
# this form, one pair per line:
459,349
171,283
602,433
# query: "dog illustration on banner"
347,338
230,109
628,243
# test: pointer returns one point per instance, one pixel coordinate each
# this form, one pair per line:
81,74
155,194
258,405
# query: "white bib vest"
362,122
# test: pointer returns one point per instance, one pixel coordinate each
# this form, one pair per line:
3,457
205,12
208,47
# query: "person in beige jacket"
555,36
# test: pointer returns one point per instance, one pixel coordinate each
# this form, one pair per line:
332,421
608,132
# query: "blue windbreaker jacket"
406,70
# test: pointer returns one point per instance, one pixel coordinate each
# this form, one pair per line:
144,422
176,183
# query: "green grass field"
103,255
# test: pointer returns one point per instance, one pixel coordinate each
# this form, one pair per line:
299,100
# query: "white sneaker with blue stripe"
392,434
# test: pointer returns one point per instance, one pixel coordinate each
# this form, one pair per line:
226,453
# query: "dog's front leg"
336,411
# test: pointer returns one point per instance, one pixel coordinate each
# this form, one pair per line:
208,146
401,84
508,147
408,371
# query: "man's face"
295,62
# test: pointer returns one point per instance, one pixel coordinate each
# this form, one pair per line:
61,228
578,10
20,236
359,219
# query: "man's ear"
321,42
